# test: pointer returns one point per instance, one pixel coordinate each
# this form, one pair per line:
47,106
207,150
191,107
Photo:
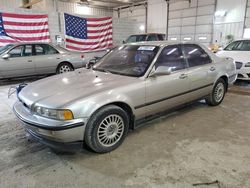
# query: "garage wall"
136,13
232,23
10,4
247,21
157,16
192,21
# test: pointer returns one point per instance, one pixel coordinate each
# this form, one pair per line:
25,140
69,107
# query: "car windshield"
130,60
136,38
4,48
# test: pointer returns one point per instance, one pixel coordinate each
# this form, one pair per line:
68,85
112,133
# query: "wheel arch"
123,105
225,78
65,62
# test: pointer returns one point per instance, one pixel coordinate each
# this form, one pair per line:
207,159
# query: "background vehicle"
240,51
128,85
145,37
28,59
94,60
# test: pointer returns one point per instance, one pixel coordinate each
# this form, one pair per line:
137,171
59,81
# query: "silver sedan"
26,59
130,85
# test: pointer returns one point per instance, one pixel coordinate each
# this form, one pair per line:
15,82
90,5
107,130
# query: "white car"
239,50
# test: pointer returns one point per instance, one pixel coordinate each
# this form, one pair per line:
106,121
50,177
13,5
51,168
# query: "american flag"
23,28
87,34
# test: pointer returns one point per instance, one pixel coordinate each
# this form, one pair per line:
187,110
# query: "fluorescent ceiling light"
187,38
220,13
142,28
202,38
173,38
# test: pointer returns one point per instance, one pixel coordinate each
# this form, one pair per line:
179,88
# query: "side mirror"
161,70
123,42
6,56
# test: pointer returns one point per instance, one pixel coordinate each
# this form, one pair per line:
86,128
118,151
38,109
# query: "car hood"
236,55
60,90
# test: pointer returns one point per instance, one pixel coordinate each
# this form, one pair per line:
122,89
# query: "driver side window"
171,56
17,51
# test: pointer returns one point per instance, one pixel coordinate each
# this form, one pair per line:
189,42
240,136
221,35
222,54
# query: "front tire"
63,68
218,93
107,129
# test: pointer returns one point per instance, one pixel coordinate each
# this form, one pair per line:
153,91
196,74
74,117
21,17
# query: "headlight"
62,114
247,64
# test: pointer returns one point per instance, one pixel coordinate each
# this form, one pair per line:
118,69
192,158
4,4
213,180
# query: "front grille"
238,64
240,76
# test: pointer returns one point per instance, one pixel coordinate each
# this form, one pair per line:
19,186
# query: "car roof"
242,39
24,43
148,34
162,43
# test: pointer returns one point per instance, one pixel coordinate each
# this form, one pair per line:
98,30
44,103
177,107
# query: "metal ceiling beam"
27,5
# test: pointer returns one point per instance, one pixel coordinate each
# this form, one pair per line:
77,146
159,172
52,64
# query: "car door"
19,63
201,70
46,58
164,92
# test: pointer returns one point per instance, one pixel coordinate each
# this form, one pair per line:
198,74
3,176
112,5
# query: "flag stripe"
96,44
89,43
98,19
26,31
29,39
90,49
100,25
89,40
29,16
30,35
26,28
25,24
24,20
100,30
92,38
90,46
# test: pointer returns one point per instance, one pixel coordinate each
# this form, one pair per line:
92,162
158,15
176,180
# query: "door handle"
183,76
212,68
58,58
29,60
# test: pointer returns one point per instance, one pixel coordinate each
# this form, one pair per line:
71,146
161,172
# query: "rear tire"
107,129
218,93
63,68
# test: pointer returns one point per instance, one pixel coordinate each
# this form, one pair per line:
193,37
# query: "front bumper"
53,133
244,73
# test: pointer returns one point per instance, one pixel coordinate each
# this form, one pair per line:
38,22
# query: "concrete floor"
198,144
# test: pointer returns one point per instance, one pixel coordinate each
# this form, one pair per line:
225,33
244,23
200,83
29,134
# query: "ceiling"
106,3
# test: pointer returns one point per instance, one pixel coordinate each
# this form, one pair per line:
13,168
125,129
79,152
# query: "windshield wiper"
102,70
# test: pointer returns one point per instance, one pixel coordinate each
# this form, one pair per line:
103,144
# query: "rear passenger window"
161,37
28,50
152,38
195,55
171,56
243,46
39,50
44,49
